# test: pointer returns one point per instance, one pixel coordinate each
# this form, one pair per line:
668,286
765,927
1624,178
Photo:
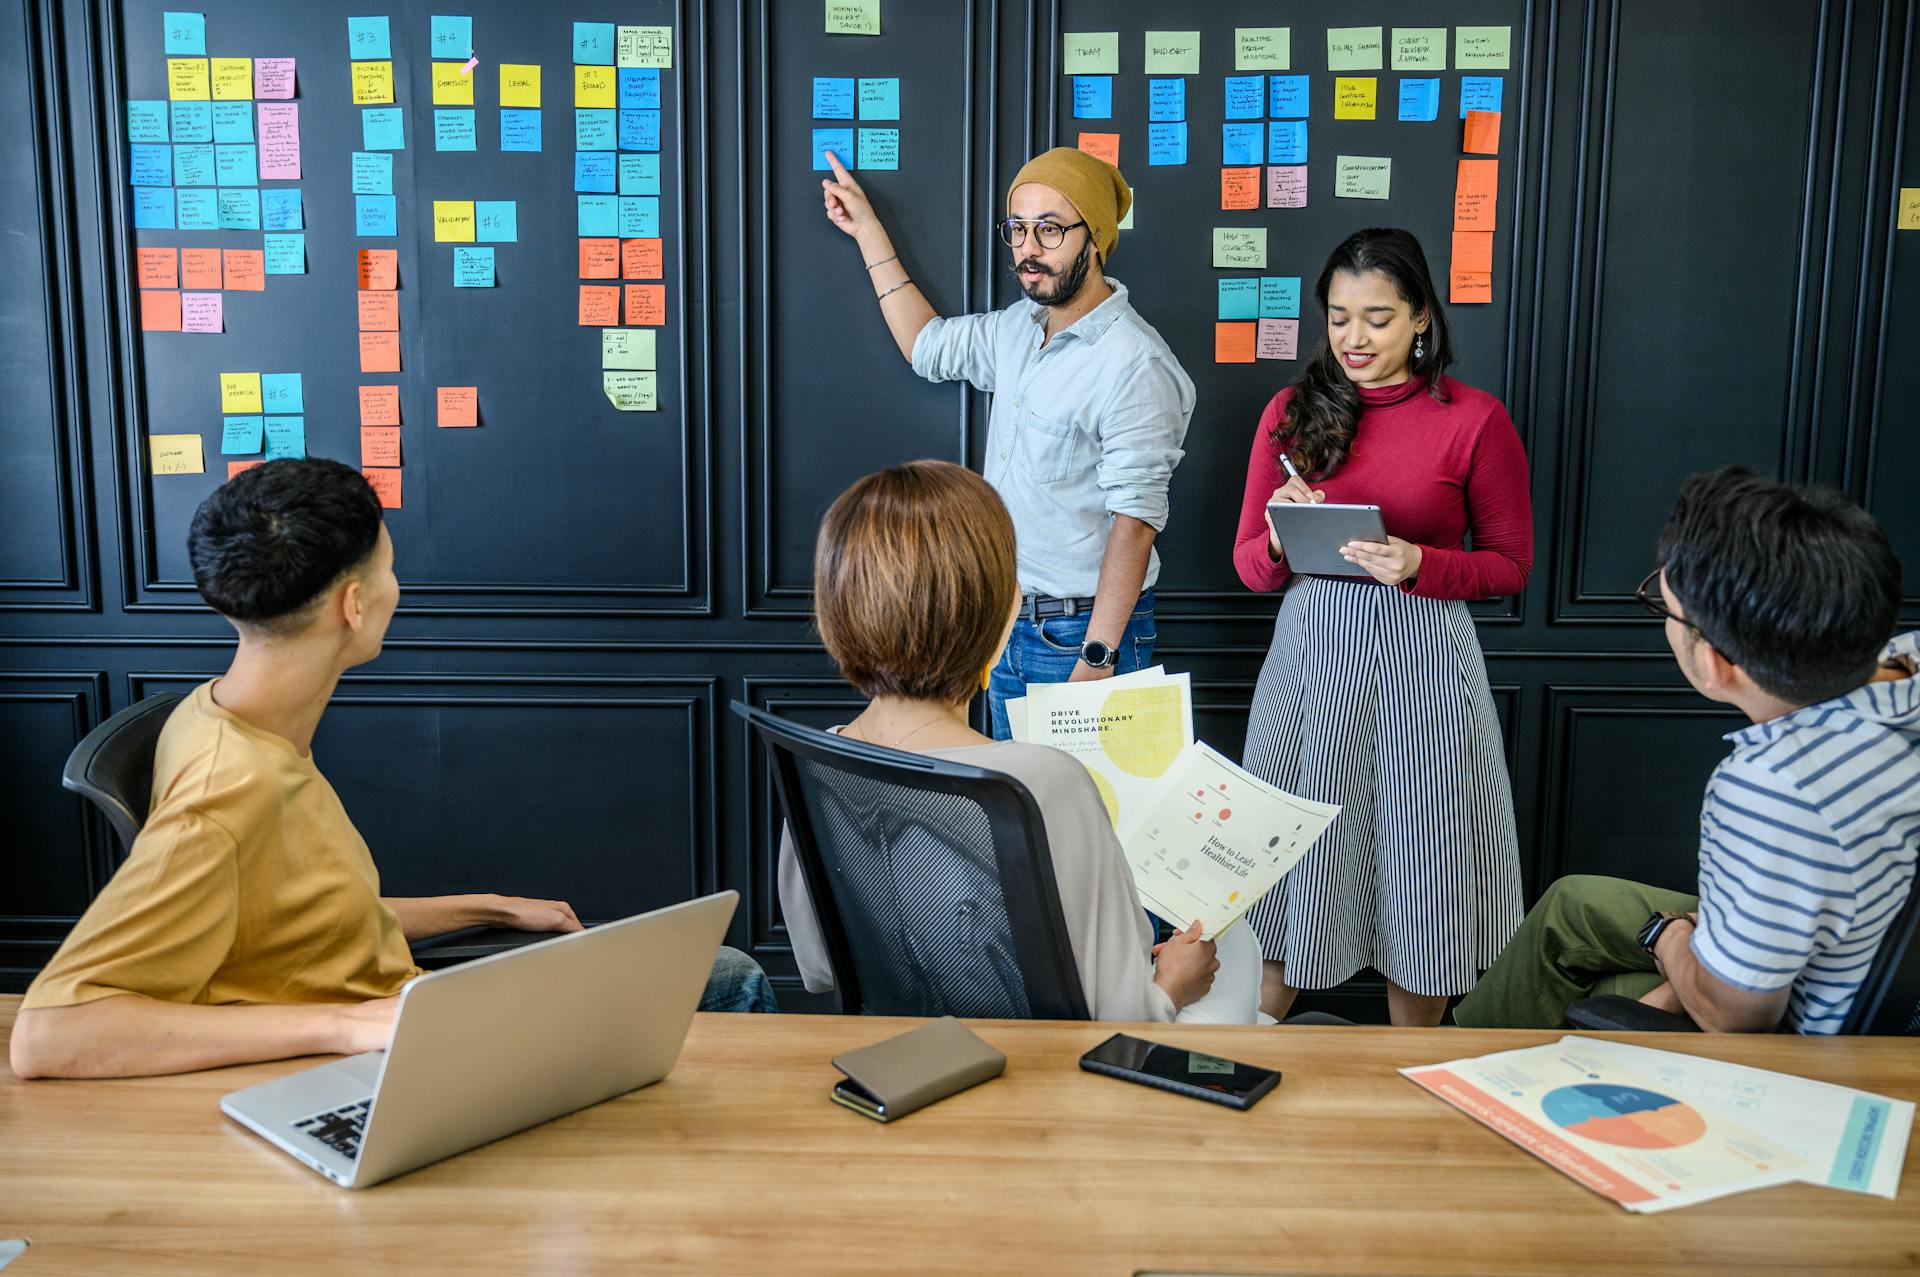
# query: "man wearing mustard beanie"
1089,411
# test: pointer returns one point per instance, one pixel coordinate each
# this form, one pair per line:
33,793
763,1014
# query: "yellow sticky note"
519,85
1354,97
372,83
451,85
187,79
239,392
233,79
176,454
593,86
644,47
1910,208
453,221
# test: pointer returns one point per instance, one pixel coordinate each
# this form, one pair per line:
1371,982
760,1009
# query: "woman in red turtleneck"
1374,694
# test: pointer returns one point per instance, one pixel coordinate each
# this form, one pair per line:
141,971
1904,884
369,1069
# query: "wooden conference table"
738,1163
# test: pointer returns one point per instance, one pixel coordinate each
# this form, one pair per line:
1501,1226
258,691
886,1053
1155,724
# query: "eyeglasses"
1013,232
1649,597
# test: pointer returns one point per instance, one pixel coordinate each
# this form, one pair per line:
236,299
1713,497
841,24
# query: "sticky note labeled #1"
632,391
1362,177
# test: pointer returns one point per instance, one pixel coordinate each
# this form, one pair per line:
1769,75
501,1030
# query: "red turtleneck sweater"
1436,470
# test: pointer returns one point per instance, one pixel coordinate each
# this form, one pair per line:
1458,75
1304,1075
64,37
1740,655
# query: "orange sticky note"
646,304
380,268
1102,146
379,445
1239,188
379,312
1234,343
599,259
158,267
641,259
1482,133
599,304
159,312
246,269
1475,193
200,268
1473,251
379,405
459,406
1470,286
235,467
379,352
385,483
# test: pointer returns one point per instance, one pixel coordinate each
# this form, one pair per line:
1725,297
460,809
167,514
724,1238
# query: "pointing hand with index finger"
847,205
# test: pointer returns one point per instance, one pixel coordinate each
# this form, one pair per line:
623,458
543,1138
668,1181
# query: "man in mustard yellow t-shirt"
247,923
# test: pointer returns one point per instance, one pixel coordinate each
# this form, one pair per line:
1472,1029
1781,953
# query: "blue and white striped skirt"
1377,700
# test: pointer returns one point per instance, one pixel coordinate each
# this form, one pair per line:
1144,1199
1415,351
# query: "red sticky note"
459,405
646,304
1102,146
159,311
1473,251
1482,133
599,304
1234,343
1239,188
379,312
200,268
599,259
379,445
235,467
1475,192
246,269
1470,286
379,405
641,259
158,267
385,483
379,352
380,268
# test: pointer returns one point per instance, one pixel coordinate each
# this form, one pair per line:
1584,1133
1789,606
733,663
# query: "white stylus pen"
1287,461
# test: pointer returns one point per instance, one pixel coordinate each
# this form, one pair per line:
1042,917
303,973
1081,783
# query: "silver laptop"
500,1044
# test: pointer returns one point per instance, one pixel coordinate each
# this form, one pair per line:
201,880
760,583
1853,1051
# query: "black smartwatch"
1098,654
1651,930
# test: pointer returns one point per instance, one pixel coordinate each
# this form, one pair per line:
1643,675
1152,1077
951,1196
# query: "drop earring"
1419,346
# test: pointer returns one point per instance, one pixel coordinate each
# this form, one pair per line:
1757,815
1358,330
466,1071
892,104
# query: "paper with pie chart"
1125,731
1609,1127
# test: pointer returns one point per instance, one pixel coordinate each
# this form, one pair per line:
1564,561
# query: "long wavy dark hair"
1324,411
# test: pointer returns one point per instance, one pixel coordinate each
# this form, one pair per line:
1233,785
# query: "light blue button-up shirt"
1084,428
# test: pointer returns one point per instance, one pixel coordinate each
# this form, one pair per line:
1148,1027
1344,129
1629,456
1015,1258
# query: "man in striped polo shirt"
1780,602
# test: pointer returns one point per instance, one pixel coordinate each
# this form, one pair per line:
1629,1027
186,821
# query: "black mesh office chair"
932,880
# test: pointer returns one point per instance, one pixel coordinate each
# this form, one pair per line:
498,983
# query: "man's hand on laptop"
366,1026
523,914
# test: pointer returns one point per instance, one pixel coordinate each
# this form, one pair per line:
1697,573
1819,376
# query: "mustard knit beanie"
1096,188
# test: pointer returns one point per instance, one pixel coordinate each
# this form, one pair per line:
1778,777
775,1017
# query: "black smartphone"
1173,1068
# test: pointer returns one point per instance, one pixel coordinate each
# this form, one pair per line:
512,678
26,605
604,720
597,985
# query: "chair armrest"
1611,1012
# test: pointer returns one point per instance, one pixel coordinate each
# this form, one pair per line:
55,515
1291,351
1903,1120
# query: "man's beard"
1065,286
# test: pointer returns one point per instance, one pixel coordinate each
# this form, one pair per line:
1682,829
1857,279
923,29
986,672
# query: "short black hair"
272,538
1799,587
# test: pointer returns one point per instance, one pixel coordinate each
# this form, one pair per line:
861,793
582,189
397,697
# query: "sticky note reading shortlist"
628,348
452,86
240,392
1362,177
176,454
1354,97
1173,53
1419,48
1262,48
853,17
1090,53
458,406
632,391
1354,48
1240,247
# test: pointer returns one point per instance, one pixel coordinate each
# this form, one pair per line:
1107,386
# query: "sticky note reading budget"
1173,53
1090,53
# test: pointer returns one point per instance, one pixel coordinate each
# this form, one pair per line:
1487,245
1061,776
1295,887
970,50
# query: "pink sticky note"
279,139
201,313
273,77
1278,339
1287,186
470,65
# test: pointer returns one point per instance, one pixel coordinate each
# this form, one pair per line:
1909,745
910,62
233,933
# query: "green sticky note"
1419,48
853,17
627,348
1173,53
1482,48
1240,247
1353,48
1362,177
1126,223
1262,48
632,391
1090,53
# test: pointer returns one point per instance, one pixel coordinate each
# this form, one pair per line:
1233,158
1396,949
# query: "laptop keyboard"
339,1129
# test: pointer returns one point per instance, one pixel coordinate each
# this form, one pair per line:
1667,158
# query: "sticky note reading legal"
1354,97
1475,194
458,406
1240,247
1482,48
176,454
853,17
1262,48
632,391
453,222
1234,343
1090,53
519,84
628,348
240,392
379,405
379,268
1362,177
1354,48
1419,48
1173,53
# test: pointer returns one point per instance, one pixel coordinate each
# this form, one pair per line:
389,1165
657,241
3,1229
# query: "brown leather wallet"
911,1070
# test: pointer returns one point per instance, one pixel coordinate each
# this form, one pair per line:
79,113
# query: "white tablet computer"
1311,535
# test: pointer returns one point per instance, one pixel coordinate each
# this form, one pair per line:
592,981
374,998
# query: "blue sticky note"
375,215
199,210
236,165
639,88
1479,93
593,172
639,130
1239,299
472,267
372,173
239,209
1166,101
640,175
285,254
151,165
593,129
832,98
1166,143
192,121
880,149
193,165
1092,98
233,121
186,34
146,121
1279,297
286,436
153,208
599,215
519,129
282,392
1419,99
280,209
1246,97
1241,143
453,130
1287,97
243,434
839,141
1287,142
496,221
880,99
367,38
593,44
451,37
381,129
639,217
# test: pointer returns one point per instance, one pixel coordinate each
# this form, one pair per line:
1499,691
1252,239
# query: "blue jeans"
1047,653
737,984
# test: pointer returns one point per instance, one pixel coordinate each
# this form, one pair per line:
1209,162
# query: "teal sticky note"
193,165
192,121
240,209
450,37
1239,299
381,129
1479,93
839,141
243,434
640,175
150,165
1092,98
599,215
639,217
879,149
594,129
199,210
153,208
1246,97
375,215
593,172
472,267
186,34
1241,143
233,121
368,38
519,129
832,97
372,173
639,130
453,131
593,44
282,392
236,166
286,437
639,88
496,221
1419,99
1166,143
1166,101
286,254
1279,297
280,209
146,121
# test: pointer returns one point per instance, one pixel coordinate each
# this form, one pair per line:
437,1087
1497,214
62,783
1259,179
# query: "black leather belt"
1040,607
